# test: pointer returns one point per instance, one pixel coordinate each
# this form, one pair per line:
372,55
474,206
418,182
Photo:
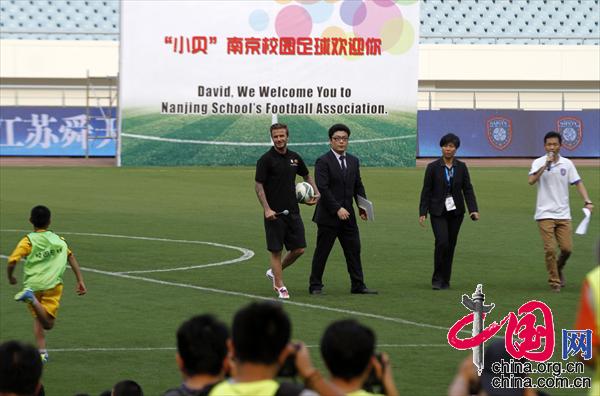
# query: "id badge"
450,203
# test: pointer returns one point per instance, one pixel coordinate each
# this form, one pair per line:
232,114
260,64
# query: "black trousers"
445,229
347,233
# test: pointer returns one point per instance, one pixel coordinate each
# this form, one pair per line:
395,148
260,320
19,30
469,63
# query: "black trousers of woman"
445,230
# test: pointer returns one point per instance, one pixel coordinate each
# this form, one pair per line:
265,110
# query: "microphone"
551,156
284,212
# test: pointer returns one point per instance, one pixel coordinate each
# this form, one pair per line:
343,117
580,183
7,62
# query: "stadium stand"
552,22
59,20
510,22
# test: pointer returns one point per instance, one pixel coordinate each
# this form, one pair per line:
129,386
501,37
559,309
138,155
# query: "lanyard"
449,176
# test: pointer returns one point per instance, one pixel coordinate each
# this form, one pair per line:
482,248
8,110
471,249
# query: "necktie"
343,162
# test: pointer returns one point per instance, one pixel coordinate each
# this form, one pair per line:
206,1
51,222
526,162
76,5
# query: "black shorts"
285,230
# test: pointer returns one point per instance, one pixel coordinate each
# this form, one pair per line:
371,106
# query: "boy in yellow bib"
46,255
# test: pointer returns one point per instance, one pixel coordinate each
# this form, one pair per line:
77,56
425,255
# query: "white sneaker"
283,293
269,275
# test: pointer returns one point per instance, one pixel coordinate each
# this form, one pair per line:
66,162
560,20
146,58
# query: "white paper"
583,226
367,205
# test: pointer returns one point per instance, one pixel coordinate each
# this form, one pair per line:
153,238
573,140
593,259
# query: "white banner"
211,72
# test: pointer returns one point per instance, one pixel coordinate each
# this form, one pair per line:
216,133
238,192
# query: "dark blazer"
433,194
336,190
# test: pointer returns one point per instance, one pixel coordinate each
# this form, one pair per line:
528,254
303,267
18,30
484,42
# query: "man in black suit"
446,179
337,175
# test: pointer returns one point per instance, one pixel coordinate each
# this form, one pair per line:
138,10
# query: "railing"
520,99
456,38
62,95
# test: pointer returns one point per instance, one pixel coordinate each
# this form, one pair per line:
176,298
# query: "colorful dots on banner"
407,38
320,11
353,12
376,17
259,20
293,21
384,3
367,18
333,31
391,32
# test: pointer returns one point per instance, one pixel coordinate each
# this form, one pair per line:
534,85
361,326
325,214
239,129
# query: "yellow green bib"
47,261
255,388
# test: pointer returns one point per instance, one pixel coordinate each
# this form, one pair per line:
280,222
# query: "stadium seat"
459,21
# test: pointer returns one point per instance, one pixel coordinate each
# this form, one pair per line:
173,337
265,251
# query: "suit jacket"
433,194
336,190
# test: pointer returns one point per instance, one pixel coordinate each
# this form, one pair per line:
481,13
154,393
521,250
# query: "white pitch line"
127,275
151,349
260,144
111,349
257,297
247,254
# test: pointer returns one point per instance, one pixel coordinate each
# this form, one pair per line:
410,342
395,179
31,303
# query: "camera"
288,368
374,384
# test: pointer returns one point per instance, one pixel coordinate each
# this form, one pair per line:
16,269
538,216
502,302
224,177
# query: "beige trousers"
555,232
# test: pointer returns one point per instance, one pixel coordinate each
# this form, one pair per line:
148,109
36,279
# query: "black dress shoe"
315,292
436,287
364,291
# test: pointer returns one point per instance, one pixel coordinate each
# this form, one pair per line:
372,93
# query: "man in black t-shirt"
275,180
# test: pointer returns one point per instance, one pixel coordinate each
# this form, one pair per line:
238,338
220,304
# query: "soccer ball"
304,192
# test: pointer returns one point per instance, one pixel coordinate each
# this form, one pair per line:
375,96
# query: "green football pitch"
158,245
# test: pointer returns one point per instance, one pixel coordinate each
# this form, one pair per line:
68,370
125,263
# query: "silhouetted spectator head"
495,352
127,388
260,333
347,348
202,345
20,369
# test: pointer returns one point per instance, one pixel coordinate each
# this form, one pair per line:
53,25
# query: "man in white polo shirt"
553,174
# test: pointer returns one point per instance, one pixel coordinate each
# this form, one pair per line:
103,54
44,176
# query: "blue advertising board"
56,131
509,133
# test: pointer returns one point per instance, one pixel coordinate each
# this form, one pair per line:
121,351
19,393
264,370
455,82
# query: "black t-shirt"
277,172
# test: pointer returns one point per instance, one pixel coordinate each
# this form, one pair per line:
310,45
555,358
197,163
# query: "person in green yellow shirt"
259,347
348,349
46,256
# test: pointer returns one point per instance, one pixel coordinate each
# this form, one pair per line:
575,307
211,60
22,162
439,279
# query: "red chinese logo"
523,338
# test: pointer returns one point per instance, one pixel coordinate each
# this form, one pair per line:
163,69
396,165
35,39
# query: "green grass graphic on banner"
175,140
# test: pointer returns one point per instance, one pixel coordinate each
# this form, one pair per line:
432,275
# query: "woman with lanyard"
445,188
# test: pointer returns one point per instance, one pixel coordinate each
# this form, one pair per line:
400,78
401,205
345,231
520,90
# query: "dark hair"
202,345
346,347
127,388
279,126
553,134
450,138
338,127
40,216
20,368
260,332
